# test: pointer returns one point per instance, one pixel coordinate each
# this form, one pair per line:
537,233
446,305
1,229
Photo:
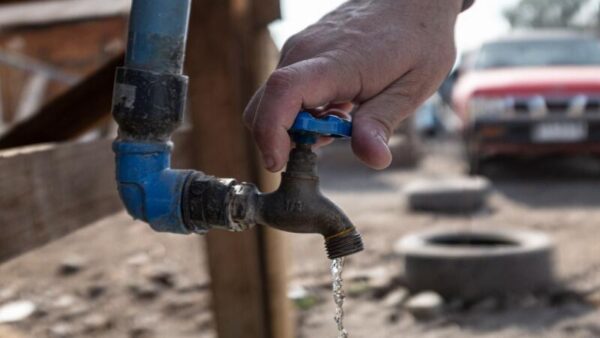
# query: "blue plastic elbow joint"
148,104
149,188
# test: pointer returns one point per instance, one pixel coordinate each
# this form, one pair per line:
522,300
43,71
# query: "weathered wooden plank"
32,96
56,11
69,115
65,60
49,191
28,64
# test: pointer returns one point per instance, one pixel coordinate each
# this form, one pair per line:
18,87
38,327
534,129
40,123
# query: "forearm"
467,4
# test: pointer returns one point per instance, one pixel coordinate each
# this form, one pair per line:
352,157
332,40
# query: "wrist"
450,7
467,4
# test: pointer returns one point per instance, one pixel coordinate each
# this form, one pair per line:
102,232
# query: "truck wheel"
476,263
475,165
472,157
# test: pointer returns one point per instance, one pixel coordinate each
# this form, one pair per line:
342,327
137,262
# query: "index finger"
306,84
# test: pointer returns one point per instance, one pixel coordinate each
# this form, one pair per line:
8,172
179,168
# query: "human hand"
382,57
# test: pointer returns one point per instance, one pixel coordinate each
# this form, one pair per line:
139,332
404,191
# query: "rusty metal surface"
297,206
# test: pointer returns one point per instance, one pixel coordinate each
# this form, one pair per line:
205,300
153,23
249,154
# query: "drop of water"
337,267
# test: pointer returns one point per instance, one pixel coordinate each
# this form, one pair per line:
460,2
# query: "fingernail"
269,162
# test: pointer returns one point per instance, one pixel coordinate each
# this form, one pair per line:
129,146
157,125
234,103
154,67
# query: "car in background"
530,94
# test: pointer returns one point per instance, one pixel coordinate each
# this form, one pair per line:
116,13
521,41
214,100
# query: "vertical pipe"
150,90
157,35
148,104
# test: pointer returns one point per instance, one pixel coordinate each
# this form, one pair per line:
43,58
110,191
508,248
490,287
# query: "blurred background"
485,225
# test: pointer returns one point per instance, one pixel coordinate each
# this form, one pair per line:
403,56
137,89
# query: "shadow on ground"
547,182
337,164
558,311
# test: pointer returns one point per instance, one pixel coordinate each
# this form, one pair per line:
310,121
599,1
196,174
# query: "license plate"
560,132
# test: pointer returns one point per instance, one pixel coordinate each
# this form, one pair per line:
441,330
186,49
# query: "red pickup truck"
531,94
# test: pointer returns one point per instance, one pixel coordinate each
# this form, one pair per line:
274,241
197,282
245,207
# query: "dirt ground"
119,279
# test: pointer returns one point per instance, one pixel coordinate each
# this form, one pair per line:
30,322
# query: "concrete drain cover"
473,264
448,195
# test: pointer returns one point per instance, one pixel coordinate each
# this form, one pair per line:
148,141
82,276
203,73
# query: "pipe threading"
344,245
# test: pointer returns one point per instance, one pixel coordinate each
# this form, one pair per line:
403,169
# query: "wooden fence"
52,185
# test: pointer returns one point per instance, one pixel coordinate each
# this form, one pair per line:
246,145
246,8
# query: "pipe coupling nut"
217,203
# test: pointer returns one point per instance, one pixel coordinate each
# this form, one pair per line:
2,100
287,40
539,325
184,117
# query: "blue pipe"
157,35
151,191
148,103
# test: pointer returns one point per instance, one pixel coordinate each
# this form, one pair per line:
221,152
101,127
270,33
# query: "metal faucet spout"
296,206
299,206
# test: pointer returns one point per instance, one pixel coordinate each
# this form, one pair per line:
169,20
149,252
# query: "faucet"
148,104
297,206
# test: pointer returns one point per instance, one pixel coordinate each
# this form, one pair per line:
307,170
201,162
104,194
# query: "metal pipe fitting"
150,190
299,206
296,206
148,104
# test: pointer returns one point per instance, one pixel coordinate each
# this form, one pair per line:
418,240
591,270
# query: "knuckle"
297,46
260,133
251,108
265,136
289,43
386,124
446,61
248,118
281,80
411,93
340,59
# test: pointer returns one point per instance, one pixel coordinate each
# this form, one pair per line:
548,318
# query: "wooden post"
274,247
224,64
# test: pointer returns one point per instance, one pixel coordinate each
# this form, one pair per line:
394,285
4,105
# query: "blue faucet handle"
307,128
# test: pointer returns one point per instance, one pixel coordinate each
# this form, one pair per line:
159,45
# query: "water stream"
337,266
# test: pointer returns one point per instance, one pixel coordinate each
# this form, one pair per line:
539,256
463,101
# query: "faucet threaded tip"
344,244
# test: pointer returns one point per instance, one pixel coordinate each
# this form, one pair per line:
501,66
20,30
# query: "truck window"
539,53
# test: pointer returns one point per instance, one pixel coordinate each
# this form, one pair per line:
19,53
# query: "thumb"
306,84
373,125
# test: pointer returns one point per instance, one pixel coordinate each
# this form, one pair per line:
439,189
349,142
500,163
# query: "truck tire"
475,264
472,157
452,195
475,164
